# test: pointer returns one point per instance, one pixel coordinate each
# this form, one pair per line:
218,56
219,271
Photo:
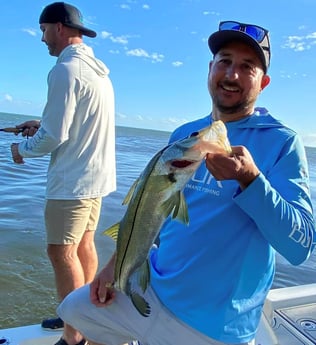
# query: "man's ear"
59,27
265,81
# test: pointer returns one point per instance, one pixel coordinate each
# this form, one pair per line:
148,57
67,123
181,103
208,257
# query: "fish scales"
154,196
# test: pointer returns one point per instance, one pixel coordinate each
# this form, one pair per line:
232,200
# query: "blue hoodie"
215,273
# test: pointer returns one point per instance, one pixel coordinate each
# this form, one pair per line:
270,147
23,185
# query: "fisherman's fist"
17,158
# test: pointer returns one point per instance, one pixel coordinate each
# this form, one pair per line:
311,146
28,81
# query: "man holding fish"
219,227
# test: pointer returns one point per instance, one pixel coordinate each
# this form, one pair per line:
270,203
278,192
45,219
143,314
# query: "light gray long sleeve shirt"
77,128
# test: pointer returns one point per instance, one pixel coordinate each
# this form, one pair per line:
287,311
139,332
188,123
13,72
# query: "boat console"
289,317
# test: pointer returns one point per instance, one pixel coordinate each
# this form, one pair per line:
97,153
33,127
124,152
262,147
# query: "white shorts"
121,323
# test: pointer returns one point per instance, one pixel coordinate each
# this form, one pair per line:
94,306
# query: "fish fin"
177,207
143,275
130,193
112,231
168,206
180,210
140,304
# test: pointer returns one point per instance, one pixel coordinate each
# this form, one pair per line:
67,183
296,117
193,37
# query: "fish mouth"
181,163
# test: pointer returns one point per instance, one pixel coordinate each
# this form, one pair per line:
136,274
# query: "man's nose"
232,72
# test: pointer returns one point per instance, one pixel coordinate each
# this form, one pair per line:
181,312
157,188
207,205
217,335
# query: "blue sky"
158,56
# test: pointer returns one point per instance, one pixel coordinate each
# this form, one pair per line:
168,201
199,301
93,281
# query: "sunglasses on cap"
256,32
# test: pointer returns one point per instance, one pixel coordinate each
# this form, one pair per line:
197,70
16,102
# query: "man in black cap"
66,14
209,280
78,129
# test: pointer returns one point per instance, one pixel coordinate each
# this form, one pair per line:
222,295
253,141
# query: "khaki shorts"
67,220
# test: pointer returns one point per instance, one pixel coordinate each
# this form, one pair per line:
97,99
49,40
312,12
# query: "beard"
234,108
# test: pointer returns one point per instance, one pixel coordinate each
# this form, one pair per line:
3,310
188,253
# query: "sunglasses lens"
254,31
229,26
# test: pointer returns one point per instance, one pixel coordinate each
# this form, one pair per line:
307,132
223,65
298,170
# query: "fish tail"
140,304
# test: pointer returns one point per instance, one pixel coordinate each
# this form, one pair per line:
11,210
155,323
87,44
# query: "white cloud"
31,32
112,51
119,39
146,7
115,39
105,34
125,7
207,13
8,98
157,57
120,116
177,63
312,36
300,43
139,52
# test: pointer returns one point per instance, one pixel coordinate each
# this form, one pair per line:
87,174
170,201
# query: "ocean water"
27,288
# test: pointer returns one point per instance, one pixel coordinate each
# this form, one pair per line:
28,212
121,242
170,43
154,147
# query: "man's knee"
62,253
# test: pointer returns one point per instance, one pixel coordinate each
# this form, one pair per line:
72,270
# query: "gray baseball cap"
252,35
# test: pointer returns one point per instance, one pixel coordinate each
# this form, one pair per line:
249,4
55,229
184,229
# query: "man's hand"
102,292
17,158
29,127
238,166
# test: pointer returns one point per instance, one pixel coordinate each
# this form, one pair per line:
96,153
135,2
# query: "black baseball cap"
252,35
68,15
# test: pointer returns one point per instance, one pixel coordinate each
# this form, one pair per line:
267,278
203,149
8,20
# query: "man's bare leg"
88,256
68,270
69,275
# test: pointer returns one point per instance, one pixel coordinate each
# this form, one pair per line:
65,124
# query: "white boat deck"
28,335
288,318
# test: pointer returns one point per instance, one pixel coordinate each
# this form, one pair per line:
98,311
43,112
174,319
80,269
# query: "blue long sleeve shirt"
215,273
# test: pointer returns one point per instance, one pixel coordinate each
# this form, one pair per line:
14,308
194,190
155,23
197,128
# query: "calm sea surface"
27,288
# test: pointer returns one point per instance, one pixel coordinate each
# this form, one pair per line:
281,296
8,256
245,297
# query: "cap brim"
84,31
220,38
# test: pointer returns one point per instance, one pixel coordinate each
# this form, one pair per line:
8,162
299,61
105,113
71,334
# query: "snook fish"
154,196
